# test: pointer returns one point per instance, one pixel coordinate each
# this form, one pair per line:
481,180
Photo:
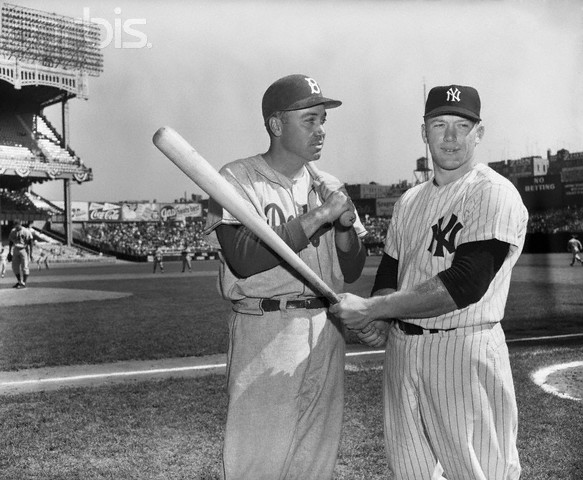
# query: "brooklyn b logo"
439,236
313,85
453,95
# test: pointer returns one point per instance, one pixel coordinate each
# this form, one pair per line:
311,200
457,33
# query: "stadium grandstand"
45,60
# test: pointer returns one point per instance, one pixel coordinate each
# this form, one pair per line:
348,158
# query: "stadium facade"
45,60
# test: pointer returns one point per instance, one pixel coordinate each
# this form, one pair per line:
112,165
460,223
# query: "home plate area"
563,380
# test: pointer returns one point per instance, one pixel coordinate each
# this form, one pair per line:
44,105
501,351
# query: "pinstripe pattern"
487,206
449,397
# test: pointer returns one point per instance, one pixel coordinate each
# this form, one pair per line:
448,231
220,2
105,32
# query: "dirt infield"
41,295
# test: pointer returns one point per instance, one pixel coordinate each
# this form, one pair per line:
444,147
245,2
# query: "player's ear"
423,133
274,125
479,133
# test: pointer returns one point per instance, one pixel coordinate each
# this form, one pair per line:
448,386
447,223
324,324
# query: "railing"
22,74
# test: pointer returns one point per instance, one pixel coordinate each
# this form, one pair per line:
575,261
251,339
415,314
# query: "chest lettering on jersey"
439,236
274,214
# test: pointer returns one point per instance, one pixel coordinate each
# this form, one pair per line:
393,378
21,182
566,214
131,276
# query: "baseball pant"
20,260
450,403
286,395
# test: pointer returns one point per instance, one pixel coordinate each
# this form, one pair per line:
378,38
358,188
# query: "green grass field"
172,429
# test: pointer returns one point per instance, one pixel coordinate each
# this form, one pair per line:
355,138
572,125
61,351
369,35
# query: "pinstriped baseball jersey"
431,221
276,199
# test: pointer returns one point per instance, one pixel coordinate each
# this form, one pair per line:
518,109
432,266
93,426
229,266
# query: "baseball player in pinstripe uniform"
286,354
443,281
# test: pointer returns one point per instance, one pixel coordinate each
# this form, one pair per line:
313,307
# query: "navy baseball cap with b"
453,100
294,92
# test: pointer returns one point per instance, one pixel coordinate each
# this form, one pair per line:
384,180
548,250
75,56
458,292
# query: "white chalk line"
540,378
95,376
216,366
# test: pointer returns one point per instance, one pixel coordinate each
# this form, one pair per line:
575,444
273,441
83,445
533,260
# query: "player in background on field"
574,246
286,353
20,252
3,261
186,256
439,296
158,259
43,258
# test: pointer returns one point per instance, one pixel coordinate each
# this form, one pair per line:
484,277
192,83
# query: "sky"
201,67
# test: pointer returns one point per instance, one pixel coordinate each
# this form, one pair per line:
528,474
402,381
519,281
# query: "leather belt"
411,329
273,305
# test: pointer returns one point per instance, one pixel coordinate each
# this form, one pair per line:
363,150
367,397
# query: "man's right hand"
336,204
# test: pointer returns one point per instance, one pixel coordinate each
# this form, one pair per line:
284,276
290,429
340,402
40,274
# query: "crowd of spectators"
142,238
16,201
568,219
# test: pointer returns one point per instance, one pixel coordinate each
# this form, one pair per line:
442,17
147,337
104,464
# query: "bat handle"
332,297
348,218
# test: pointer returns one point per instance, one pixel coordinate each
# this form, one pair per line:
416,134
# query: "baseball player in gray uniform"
286,355
443,281
574,246
20,252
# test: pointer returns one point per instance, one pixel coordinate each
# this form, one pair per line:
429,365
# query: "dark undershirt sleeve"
474,266
352,262
386,276
247,255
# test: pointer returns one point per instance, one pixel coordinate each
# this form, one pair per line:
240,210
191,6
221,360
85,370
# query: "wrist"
323,215
377,307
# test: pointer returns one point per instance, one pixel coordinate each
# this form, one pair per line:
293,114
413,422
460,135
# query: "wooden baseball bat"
348,218
193,164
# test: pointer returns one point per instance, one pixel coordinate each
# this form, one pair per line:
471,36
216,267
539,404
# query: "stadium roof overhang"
14,182
31,98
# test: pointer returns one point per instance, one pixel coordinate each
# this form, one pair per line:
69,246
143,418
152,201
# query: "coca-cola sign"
104,212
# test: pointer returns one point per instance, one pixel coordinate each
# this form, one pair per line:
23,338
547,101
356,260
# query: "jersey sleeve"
391,238
496,212
238,176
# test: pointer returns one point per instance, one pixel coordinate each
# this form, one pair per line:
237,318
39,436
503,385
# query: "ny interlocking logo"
453,95
439,236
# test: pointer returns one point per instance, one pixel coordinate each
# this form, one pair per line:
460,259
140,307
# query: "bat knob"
347,219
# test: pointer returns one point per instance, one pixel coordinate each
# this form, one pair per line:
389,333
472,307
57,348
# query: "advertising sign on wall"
180,211
104,212
79,210
541,192
140,212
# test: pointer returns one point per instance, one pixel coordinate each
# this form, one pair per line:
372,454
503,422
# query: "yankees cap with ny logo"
453,100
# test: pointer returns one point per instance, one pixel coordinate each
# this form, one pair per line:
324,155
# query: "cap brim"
448,110
312,102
